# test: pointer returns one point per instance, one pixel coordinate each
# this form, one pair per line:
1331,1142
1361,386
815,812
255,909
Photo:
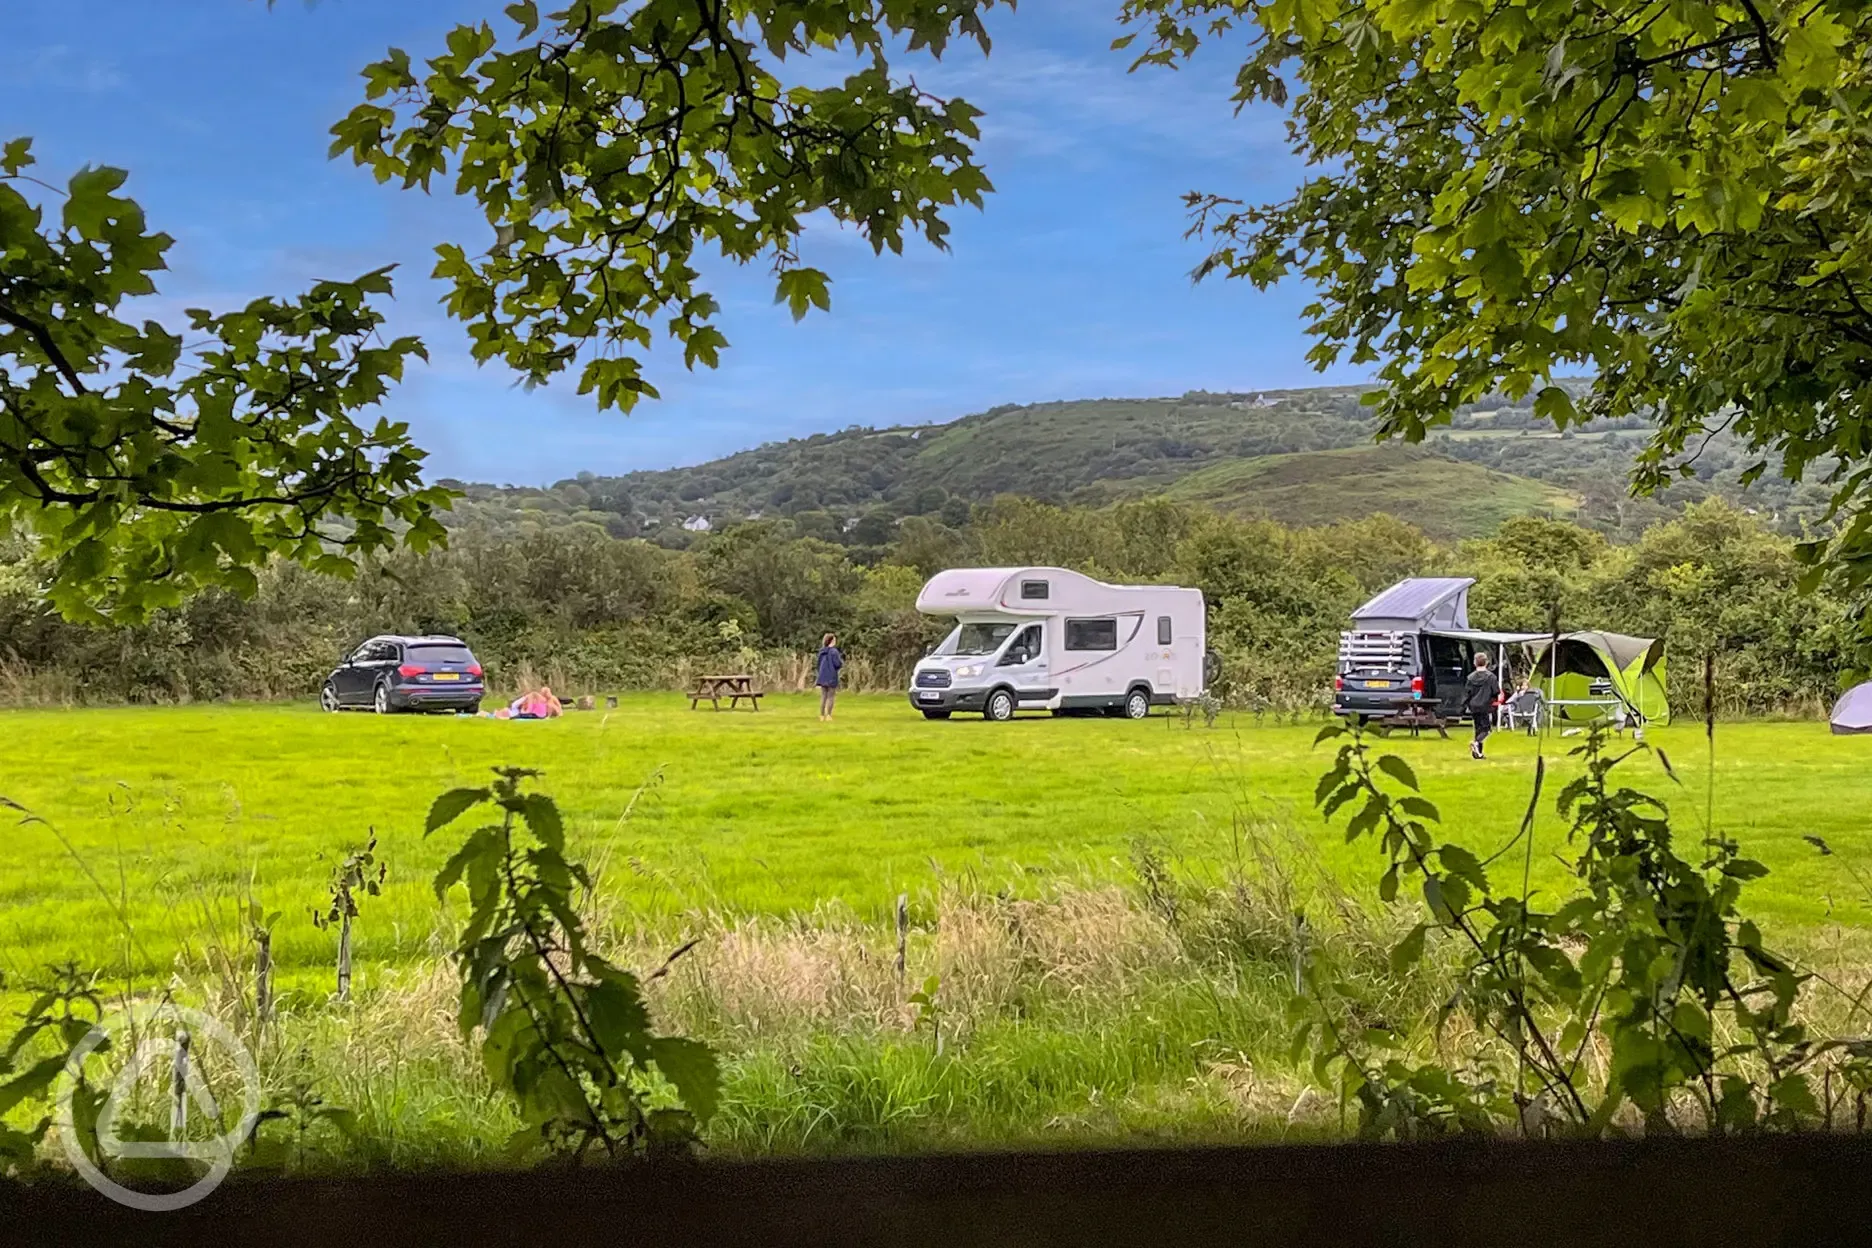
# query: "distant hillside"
1445,497
1245,452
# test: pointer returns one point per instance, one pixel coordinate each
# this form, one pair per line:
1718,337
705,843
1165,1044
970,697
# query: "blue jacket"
830,660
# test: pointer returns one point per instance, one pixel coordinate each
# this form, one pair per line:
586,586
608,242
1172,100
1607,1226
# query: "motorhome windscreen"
974,638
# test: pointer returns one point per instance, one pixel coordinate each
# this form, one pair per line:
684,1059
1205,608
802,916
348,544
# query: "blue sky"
1071,284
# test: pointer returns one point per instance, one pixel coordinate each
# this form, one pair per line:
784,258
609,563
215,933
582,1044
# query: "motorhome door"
1023,664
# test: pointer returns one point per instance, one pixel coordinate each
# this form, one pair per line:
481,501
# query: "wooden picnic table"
1416,719
734,688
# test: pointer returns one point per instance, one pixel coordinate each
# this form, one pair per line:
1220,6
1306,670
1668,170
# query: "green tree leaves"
143,471
802,290
1671,198
609,146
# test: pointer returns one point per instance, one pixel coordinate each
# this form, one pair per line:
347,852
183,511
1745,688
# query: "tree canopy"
609,145
146,466
613,144
1664,195
1668,196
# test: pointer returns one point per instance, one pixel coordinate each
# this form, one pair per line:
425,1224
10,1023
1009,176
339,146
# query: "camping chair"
1522,711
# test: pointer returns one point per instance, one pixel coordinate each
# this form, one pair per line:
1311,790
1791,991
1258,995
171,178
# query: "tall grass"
1087,1012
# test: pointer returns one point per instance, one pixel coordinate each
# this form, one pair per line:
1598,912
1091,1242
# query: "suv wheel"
328,697
1000,706
1137,704
382,702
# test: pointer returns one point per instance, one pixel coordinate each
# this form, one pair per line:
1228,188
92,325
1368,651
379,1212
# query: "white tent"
1853,712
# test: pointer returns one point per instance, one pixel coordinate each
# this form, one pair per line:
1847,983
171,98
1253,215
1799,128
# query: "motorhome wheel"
1000,706
1137,704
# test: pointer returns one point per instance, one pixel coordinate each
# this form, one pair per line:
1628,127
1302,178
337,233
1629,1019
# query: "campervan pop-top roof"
1424,602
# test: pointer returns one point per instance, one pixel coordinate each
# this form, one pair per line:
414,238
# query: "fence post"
263,976
178,1105
344,955
1300,952
903,935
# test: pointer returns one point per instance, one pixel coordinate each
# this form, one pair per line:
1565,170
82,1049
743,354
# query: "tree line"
595,613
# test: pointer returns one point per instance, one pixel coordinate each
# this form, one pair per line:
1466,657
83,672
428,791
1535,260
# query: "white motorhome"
1056,640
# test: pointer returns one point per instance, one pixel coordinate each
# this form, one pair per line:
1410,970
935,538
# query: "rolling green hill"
1300,456
1447,498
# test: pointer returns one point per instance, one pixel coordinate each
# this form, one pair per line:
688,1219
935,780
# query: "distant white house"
697,524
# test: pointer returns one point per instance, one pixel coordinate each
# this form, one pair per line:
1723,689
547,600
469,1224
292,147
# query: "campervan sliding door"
1449,660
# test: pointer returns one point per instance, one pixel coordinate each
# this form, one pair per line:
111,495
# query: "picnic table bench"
1414,720
734,688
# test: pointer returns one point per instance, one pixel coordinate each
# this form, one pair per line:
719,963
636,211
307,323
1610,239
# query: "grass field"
175,813
1079,1002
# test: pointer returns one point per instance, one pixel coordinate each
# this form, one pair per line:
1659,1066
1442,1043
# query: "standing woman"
830,661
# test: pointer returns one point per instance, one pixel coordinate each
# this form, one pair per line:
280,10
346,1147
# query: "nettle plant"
60,1013
359,874
1645,988
564,1032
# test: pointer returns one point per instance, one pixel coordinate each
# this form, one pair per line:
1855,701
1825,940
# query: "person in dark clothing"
830,661
1481,691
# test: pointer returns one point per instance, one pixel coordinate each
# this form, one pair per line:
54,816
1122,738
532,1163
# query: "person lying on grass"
534,704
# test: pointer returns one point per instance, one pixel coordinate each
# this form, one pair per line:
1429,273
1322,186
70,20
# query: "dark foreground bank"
1809,1190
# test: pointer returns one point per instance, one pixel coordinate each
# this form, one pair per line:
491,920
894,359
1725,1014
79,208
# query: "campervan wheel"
1000,706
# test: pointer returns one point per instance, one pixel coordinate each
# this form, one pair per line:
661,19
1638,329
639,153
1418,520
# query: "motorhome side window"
1034,591
1091,634
1164,634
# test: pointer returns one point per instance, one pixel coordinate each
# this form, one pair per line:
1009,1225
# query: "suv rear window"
440,654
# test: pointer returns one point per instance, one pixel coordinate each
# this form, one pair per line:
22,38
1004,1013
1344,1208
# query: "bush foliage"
571,603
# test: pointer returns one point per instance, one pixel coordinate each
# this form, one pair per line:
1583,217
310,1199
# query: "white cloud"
58,67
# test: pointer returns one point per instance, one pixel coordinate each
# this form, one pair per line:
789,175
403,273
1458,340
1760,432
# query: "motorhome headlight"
970,671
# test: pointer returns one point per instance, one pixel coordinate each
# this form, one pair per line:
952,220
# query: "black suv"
390,674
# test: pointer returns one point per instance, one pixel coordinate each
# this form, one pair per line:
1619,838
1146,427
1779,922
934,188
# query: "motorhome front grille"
932,680
1375,650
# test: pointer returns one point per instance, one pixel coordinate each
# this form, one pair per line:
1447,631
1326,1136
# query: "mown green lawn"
178,812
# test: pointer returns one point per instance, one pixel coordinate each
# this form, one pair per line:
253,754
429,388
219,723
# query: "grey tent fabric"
1420,602
1624,650
1627,650
1853,712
